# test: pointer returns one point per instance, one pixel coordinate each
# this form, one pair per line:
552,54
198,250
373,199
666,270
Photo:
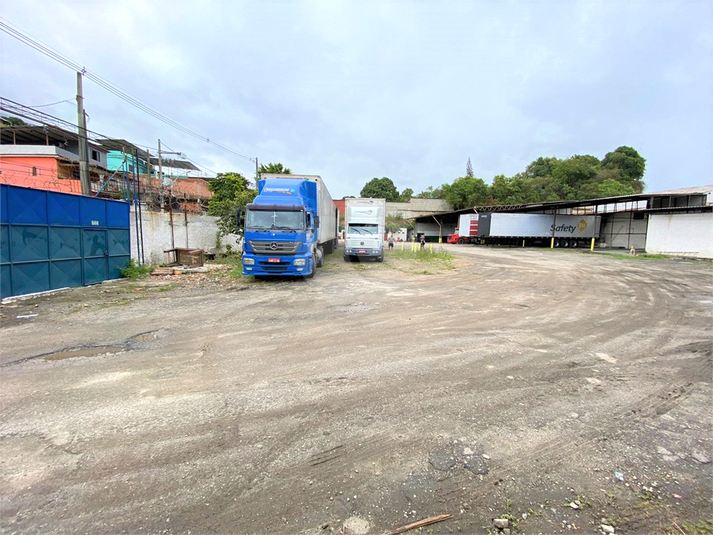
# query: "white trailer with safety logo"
560,230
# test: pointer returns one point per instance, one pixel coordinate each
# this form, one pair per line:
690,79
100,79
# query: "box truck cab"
289,227
365,221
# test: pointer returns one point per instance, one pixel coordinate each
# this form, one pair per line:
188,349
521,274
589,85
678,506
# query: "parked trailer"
289,227
467,231
491,228
365,220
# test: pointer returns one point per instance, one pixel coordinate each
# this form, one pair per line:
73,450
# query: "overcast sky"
408,90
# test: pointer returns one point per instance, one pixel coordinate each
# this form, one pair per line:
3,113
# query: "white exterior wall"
681,234
198,234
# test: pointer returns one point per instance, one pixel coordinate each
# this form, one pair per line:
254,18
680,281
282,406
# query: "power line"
53,103
49,52
185,157
50,120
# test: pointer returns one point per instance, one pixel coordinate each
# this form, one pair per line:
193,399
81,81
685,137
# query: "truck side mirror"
316,221
239,218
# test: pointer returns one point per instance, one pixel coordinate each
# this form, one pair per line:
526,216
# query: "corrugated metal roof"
693,190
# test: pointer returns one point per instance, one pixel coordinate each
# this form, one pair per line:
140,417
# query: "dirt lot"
507,382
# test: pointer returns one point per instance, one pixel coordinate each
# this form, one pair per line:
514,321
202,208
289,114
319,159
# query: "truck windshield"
363,228
274,220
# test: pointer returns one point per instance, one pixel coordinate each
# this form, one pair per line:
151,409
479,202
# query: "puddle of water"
146,337
83,352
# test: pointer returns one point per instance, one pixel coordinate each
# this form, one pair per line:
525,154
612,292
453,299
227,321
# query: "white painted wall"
198,234
681,234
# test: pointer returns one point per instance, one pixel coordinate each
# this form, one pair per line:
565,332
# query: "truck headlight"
299,262
248,261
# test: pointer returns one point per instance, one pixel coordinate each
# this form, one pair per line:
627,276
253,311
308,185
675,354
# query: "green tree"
10,120
542,167
275,168
630,164
607,183
506,190
570,175
406,195
230,193
430,193
466,192
380,188
612,188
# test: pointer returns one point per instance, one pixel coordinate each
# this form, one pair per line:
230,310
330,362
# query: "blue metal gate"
52,240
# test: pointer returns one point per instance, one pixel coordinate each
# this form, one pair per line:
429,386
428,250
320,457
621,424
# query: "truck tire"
347,258
319,260
461,240
380,258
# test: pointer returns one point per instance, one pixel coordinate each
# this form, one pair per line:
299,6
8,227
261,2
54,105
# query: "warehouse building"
673,222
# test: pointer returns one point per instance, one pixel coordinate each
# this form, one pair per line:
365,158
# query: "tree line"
579,177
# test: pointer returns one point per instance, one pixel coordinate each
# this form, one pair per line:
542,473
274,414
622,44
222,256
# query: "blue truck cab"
289,227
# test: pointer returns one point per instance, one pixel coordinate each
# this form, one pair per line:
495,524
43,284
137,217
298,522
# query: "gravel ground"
563,391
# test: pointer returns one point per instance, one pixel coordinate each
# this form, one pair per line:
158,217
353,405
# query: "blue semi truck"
289,227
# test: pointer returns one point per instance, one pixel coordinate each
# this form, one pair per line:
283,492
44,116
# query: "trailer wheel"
575,244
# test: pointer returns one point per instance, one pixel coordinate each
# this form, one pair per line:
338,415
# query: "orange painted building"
40,172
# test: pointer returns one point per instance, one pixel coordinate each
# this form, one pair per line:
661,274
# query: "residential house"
47,157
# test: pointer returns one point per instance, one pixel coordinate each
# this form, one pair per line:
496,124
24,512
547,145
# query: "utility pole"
84,177
257,171
160,173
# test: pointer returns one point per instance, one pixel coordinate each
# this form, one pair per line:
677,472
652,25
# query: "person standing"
423,241
391,241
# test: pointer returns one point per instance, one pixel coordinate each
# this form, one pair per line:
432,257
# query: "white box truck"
364,222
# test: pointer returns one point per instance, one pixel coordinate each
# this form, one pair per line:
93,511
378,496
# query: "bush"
134,271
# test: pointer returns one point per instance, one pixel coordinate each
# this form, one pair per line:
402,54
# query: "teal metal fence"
51,240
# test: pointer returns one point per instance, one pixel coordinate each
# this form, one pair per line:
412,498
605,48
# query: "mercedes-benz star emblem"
273,246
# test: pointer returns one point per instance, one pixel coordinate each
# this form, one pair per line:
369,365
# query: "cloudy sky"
408,90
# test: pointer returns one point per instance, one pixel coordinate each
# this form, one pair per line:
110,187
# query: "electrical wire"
184,156
49,52
44,119
53,103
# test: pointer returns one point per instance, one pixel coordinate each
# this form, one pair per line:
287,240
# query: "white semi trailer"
533,229
365,222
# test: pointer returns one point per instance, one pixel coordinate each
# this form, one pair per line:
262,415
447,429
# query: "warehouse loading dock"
625,220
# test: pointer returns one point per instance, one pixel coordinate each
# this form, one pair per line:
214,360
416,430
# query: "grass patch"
424,255
134,271
230,260
703,527
643,256
507,514
166,288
